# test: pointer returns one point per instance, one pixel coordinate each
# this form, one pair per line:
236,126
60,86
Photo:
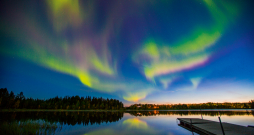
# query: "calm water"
130,122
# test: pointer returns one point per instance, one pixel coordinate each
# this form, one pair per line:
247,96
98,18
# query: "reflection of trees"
208,113
28,128
70,118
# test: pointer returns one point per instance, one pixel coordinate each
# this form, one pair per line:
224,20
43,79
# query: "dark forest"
209,105
19,101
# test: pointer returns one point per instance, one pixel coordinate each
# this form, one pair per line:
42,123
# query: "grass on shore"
27,128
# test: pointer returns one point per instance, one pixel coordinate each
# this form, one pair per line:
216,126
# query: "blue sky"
136,51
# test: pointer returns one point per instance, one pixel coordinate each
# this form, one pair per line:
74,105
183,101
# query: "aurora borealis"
138,51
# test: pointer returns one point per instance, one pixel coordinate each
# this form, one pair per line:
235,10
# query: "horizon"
132,103
133,51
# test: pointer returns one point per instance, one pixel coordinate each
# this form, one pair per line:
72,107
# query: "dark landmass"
11,101
209,105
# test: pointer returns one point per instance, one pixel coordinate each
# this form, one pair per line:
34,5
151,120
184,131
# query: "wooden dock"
208,127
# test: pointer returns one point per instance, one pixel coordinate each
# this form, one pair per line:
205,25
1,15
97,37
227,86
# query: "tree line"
209,105
19,101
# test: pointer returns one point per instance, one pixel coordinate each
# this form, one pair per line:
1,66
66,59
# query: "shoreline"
64,110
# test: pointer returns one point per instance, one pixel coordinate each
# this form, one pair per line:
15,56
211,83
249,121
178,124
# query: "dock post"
201,112
221,126
191,126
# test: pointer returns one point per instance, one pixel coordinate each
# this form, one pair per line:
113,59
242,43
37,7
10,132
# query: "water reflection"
130,122
128,126
69,118
135,123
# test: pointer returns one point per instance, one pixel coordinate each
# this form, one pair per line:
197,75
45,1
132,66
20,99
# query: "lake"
129,122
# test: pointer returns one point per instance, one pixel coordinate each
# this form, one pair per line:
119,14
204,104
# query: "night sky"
137,51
